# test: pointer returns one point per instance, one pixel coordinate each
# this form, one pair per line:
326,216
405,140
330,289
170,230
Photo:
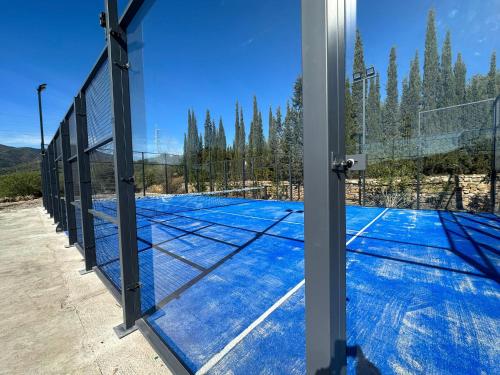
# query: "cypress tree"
208,131
242,137
390,112
357,88
405,110
414,94
236,143
350,127
431,65
271,138
287,133
221,141
460,72
373,120
278,125
447,96
491,86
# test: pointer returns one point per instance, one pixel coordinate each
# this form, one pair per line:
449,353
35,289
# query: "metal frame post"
83,161
48,166
143,175
323,61
68,183
494,162
419,160
124,169
166,174
290,189
54,184
224,166
186,176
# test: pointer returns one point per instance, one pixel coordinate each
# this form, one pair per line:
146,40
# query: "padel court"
222,285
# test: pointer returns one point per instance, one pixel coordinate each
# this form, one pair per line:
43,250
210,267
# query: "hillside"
14,159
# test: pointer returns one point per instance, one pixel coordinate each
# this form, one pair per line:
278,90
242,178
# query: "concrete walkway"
53,320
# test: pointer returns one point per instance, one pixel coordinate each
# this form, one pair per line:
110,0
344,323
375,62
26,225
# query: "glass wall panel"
216,95
422,247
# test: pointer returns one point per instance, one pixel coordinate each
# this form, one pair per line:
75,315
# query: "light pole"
39,90
363,77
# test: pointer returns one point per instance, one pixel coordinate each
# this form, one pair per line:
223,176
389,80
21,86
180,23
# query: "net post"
124,168
85,182
68,183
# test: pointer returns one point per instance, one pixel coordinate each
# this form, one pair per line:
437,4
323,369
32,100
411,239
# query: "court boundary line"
232,344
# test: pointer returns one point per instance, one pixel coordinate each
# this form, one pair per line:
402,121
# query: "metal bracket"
125,66
356,162
134,286
129,180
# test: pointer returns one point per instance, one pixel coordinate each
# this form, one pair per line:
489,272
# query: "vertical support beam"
186,176
68,183
55,183
124,168
143,175
290,187
83,161
48,164
166,174
419,160
224,166
323,61
494,155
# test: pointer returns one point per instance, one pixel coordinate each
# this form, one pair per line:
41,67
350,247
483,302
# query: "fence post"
198,178
83,160
166,174
290,178
494,166
276,179
68,182
124,169
243,175
210,176
186,176
224,166
57,189
143,176
50,174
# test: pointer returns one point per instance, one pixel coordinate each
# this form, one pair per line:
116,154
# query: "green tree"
447,96
430,87
491,88
460,72
236,143
350,127
357,87
390,113
374,131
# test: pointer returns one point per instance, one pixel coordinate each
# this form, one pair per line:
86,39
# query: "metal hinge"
355,162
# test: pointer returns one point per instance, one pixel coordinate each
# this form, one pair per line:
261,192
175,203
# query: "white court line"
230,346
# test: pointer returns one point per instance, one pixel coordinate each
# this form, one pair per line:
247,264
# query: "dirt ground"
54,320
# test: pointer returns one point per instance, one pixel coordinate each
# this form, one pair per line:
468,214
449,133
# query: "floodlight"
357,76
370,72
41,87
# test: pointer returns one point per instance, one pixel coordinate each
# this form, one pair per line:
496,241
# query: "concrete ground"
53,320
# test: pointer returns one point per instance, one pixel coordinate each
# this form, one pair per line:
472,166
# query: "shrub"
20,184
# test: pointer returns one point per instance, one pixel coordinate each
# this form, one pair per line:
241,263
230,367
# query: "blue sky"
206,56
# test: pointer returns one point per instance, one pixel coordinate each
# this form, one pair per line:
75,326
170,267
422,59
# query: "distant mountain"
14,159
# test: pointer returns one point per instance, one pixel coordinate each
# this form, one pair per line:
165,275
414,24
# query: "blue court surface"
223,285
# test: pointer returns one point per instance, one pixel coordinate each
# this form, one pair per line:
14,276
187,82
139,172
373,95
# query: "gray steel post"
68,183
224,166
419,160
83,161
186,176
143,176
48,165
323,61
494,162
166,174
124,168
290,189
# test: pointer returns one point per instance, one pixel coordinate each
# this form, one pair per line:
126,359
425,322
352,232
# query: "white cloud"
477,53
453,13
19,140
